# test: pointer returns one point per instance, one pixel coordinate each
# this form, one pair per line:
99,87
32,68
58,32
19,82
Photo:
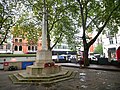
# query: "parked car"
72,59
59,58
93,58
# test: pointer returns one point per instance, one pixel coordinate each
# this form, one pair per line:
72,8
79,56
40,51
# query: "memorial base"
44,71
43,64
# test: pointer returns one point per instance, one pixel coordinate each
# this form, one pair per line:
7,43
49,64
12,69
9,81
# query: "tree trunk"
48,37
85,57
48,42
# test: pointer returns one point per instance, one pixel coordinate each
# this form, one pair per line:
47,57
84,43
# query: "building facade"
17,45
110,44
22,46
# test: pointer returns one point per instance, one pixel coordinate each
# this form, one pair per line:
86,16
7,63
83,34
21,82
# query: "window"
28,47
20,40
55,47
16,48
20,48
59,47
1,47
64,47
111,40
35,47
32,48
8,46
16,40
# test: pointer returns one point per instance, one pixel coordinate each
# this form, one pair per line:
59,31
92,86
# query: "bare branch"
101,28
54,23
56,41
92,20
5,35
56,14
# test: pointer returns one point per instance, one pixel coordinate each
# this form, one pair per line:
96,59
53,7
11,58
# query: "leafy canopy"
26,30
61,22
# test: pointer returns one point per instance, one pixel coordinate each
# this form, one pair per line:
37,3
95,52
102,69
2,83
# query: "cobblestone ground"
85,79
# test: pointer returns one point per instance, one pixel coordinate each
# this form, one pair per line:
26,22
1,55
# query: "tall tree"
96,15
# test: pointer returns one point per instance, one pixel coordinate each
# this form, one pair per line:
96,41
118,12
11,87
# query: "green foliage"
28,32
9,9
60,19
5,21
99,49
26,27
114,21
98,12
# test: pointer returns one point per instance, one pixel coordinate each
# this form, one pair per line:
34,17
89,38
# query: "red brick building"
21,46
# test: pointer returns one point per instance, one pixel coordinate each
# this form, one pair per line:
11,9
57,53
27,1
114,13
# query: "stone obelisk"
44,55
44,28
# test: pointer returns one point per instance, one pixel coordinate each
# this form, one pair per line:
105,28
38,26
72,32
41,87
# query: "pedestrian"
81,63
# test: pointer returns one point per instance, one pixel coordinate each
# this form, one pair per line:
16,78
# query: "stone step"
13,78
27,76
19,80
18,77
